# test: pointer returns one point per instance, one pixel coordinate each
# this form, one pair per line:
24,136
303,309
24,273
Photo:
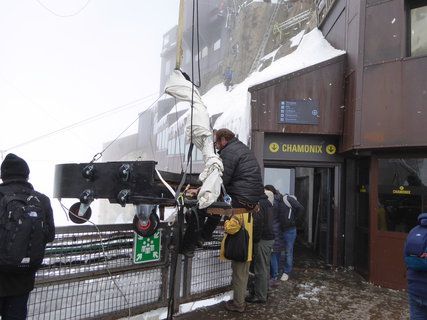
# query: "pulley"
80,212
146,221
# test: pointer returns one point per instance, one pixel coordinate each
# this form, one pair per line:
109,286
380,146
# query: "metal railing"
322,9
290,23
88,273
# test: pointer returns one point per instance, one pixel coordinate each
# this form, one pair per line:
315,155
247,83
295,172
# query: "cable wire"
103,253
98,155
67,15
76,124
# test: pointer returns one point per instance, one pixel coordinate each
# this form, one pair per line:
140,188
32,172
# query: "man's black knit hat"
13,167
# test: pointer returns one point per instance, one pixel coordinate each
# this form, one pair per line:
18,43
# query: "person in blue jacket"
417,285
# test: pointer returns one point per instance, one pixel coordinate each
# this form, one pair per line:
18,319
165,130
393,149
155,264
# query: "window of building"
166,39
165,139
159,140
182,144
167,67
417,27
187,56
162,139
402,193
196,154
204,52
217,44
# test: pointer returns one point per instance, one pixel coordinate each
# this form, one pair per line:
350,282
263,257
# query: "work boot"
230,306
201,242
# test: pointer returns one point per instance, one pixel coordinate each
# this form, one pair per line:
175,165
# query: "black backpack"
22,230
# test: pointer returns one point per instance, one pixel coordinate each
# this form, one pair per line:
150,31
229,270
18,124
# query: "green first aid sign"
147,249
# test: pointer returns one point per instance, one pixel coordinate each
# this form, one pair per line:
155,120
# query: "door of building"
399,196
315,190
323,212
359,248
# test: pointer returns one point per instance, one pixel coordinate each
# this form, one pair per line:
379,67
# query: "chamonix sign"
301,147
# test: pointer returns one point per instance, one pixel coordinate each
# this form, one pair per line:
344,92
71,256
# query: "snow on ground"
161,313
316,291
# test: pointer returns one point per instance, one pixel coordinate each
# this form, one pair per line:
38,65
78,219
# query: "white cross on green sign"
147,249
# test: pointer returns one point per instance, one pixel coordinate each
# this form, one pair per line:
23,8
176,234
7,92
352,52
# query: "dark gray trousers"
261,264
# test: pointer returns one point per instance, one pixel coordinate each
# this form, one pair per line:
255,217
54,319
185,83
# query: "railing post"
186,288
177,283
176,264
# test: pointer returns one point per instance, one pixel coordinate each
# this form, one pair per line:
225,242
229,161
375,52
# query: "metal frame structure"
88,273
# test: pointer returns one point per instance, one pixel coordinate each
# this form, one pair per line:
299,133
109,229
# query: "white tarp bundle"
198,130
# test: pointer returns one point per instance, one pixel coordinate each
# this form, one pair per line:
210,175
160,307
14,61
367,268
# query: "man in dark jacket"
263,238
242,181
16,287
242,175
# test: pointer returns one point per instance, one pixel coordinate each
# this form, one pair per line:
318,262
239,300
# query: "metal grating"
94,297
208,272
88,273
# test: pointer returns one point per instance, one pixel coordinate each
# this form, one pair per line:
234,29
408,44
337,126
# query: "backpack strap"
286,201
288,204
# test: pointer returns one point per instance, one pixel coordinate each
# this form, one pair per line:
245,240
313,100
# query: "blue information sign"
299,112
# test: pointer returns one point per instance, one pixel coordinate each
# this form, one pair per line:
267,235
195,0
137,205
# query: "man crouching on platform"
243,183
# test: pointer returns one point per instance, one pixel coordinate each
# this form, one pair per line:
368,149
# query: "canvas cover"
198,131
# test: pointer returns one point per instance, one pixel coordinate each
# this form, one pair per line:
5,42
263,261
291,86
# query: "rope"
165,183
177,234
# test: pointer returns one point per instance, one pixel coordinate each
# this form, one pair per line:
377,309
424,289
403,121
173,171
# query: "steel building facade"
372,101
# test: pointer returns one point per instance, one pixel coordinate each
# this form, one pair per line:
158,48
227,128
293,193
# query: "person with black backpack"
416,273
288,223
288,211
26,225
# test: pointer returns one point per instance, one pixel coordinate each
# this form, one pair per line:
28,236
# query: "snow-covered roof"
312,49
234,105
